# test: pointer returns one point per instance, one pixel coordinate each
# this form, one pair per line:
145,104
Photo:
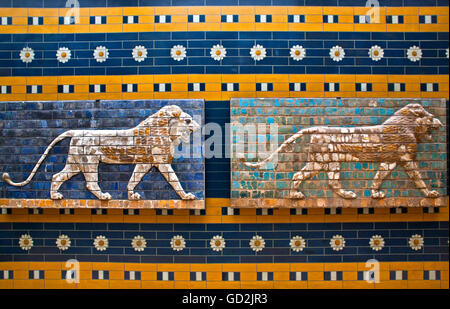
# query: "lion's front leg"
139,172
385,170
169,174
411,168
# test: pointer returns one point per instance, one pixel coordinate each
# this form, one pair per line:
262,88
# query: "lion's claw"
433,194
378,194
297,195
349,194
105,196
56,196
189,196
134,196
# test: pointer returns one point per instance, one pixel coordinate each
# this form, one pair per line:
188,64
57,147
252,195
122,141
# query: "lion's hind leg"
310,170
90,172
333,181
70,169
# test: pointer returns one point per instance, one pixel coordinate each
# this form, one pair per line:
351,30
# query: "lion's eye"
188,121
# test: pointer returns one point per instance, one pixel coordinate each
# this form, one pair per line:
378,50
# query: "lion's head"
417,116
181,125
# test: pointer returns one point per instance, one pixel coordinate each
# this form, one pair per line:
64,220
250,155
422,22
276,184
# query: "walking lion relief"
353,153
150,144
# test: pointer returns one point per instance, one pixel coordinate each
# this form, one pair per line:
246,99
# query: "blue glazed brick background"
27,128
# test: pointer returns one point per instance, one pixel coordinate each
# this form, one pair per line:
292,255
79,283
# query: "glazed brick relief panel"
102,154
338,153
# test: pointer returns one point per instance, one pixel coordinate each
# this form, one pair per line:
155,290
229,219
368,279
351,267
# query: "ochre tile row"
213,86
313,19
214,275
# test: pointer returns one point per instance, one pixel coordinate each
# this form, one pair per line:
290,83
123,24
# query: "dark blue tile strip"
277,236
238,60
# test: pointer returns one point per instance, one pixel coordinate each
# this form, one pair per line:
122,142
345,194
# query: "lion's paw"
134,196
297,195
433,194
378,194
189,196
56,196
105,196
350,194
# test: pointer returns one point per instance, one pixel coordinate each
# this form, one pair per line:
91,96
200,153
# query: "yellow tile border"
248,277
247,82
313,17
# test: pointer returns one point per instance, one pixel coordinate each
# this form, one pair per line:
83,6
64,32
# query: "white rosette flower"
25,242
376,242
337,53
218,52
376,53
416,242
258,52
178,52
414,53
63,54
101,243
138,243
337,242
27,54
178,243
63,242
217,243
139,53
257,243
297,243
101,53
297,52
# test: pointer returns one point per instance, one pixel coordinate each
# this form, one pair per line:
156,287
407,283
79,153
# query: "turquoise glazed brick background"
293,114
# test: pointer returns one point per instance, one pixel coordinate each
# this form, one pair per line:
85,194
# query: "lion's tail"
283,146
6,176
